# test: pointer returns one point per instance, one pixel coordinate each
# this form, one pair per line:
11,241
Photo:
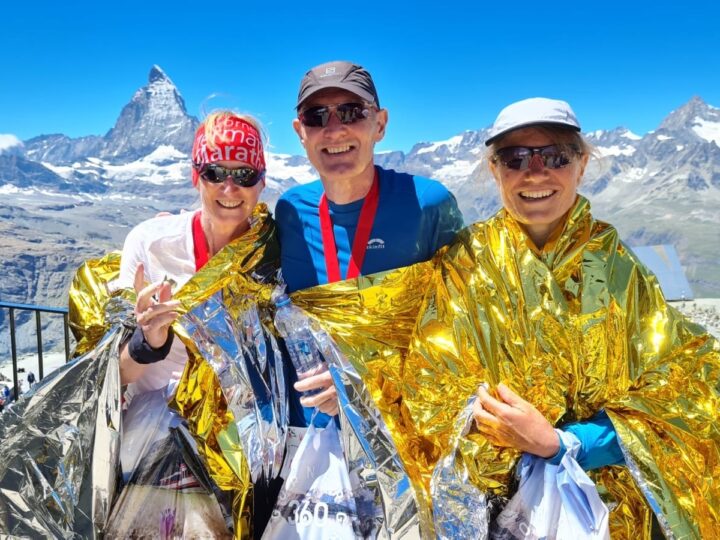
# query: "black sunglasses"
347,113
242,176
553,156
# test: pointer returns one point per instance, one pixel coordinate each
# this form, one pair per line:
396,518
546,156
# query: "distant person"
4,397
576,344
228,170
358,218
31,378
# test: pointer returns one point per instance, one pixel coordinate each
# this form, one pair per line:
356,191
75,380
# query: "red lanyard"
200,245
362,235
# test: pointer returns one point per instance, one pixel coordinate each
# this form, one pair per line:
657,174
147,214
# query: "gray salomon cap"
338,74
532,112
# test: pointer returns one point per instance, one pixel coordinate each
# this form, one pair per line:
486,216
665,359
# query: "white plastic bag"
316,500
554,501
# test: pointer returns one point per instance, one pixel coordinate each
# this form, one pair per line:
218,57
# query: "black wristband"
143,353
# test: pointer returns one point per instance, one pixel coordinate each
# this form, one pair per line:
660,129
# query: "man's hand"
513,422
154,309
326,401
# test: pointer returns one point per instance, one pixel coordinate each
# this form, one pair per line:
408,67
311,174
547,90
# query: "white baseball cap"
532,112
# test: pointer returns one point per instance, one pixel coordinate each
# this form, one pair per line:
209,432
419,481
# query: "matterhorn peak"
156,115
158,75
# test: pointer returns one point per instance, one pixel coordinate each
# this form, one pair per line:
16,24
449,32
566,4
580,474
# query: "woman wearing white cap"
577,357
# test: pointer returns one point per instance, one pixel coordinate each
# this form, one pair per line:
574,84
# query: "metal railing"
12,307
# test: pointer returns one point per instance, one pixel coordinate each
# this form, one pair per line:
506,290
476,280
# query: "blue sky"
440,67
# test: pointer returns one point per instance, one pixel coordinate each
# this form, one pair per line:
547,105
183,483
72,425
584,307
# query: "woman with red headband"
228,170
229,174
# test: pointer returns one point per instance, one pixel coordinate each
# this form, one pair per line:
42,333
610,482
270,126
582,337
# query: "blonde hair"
213,132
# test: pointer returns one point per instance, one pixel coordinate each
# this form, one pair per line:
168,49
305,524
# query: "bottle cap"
282,300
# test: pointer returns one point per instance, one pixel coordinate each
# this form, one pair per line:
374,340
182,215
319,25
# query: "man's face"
341,151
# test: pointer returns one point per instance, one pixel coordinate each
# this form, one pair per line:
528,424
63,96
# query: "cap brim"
495,137
367,96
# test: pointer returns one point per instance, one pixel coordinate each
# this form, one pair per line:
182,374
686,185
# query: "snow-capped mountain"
66,200
694,119
155,116
148,146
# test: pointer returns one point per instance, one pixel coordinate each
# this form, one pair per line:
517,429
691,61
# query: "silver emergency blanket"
60,445
381,485
249,368
460,509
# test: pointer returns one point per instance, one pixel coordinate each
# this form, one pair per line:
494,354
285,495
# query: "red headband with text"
233,139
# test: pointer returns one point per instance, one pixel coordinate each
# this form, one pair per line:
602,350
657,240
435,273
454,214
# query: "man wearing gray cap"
357,219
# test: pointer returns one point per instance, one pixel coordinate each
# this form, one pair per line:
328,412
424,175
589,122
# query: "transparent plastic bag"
553,501
166,493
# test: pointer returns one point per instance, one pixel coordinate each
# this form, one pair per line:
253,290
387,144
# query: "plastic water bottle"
294,326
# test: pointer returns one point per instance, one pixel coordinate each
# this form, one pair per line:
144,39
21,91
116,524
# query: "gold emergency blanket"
371,318
579,327
88,297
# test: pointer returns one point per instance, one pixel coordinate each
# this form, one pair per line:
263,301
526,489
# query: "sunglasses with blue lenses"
347,113
553,156
241,176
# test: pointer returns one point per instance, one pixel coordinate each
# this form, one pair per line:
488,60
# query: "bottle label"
302,354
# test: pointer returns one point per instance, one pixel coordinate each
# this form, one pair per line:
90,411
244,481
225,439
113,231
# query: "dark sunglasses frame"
347,113
554,156
241,176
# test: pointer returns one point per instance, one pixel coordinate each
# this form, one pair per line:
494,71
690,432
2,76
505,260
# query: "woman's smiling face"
227,204
537,197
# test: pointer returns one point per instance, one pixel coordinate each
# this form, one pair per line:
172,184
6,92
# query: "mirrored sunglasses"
347,113
553,156
241,176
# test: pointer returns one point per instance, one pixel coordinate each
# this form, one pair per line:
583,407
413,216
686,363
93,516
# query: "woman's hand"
326,401
154,309
513,422
154,317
